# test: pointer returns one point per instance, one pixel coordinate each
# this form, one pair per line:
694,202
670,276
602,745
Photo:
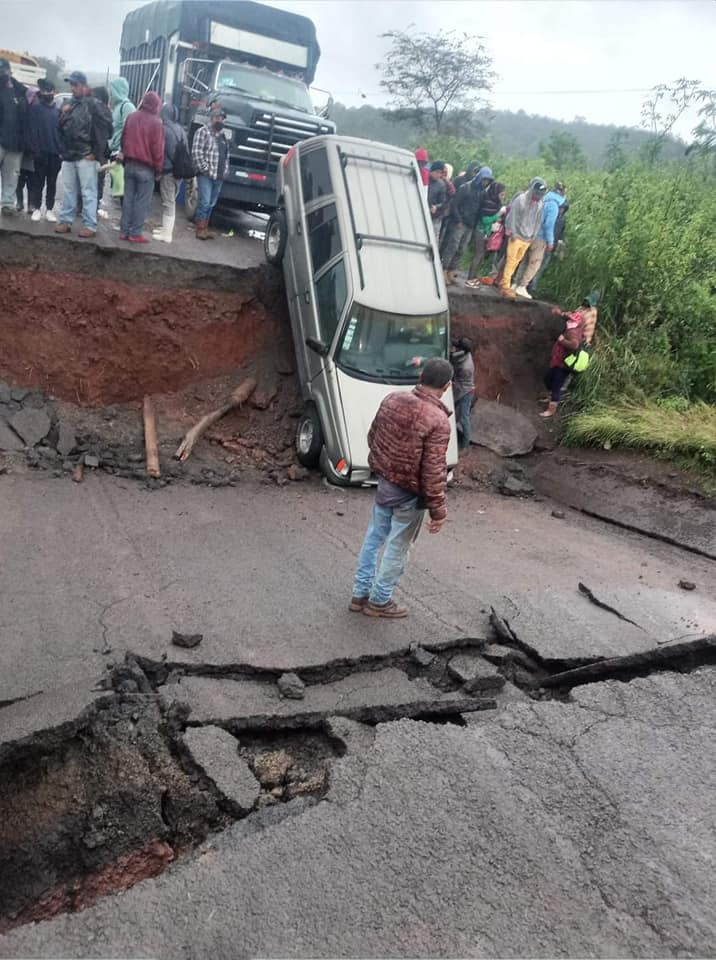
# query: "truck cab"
365,290
256,60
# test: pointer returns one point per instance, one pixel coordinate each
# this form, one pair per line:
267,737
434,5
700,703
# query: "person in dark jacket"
467,175
143,152
85,127
465,211
463,387
437,196
101,94
14,110
27,163
408,441
45,145
174,134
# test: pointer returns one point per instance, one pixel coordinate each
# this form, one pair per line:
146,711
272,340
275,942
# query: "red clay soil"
127,870
94,341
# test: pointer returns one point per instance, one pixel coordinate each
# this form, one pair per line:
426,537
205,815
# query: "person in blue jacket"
543,245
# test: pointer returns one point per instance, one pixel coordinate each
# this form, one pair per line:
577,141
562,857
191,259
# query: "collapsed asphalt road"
535,821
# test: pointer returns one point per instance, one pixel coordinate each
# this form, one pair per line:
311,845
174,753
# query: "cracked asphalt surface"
552,830
539,829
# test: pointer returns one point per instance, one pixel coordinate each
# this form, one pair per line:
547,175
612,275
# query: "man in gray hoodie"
174,134
522,224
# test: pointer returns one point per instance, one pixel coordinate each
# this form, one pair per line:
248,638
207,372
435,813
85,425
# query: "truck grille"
271,137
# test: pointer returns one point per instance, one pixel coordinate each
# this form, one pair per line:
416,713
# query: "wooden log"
150,439
239,396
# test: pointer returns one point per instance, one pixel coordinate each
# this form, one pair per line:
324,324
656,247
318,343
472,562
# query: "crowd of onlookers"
98,133
511,241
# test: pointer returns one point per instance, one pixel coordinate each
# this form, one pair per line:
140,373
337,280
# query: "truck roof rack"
360,238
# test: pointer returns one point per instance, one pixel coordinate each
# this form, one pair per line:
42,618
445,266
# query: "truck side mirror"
317,346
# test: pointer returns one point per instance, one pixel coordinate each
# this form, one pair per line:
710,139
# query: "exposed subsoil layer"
94,341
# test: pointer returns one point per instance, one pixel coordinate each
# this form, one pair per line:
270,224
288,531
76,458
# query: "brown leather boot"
202,230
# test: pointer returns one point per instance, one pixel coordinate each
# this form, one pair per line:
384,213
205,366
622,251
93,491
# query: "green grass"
671,428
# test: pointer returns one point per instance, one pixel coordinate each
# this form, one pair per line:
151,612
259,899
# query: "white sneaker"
36,215
161,235
102,214
522,292
50,217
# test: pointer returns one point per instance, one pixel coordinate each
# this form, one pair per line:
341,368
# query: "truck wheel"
191,199
275,237
309,437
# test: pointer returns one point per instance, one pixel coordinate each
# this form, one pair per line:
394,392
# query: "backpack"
578,361
183,166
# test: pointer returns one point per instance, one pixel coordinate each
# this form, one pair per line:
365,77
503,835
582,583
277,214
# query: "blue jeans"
138,190
209,191
462,417
79,180
397,528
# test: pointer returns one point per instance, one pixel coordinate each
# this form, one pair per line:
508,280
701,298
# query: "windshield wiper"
365,373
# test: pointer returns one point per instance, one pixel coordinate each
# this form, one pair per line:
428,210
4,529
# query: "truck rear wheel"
275,237
309,437
191,198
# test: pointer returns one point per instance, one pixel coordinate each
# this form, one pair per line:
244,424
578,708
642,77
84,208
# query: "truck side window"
315,178
331,293
324,236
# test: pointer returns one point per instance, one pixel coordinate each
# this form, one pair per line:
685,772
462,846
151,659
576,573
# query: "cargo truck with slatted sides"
257,61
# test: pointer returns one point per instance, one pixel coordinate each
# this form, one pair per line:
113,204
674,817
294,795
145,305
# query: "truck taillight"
288,156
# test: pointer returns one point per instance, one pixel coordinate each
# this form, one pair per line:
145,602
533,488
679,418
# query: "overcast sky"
560,58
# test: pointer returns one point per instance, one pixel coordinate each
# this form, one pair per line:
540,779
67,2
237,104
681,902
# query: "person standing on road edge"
85,127
210,153
45,146
543,244
438,197
174,134
122,107
14,111
143,152
463,387
522,224
408,443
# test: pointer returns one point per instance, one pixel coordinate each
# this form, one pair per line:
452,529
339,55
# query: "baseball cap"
217,110
437,165
77,77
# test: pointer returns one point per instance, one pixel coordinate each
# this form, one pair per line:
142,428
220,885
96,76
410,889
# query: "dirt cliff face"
95,341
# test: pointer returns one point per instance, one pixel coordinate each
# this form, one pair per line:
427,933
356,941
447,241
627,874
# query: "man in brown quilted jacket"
408,442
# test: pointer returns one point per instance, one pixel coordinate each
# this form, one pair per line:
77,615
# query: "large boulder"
503,429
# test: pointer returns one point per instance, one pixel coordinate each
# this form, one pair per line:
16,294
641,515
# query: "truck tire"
275,237
309,437
191,199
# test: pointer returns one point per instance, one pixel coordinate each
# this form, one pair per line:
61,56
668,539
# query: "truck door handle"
306,296
299,229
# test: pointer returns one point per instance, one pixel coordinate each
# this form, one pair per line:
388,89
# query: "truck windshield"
264,86
390,346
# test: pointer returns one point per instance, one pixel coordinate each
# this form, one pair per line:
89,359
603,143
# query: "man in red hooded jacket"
143,153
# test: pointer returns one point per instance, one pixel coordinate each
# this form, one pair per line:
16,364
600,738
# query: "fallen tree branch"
150,439
605,606
239,396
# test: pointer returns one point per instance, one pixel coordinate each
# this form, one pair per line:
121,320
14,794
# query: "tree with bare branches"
435,77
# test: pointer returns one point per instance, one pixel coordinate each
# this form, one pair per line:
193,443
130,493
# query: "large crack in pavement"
171,752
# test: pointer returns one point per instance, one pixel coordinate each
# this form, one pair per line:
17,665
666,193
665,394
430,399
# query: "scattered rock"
47,453
291,686
216,752
19,394
91,460
9,440
272,768
314,784
559,514
186,640
262,399
687,585
31,425
420,655
511,486
502,429
475,673
296,472
66,439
